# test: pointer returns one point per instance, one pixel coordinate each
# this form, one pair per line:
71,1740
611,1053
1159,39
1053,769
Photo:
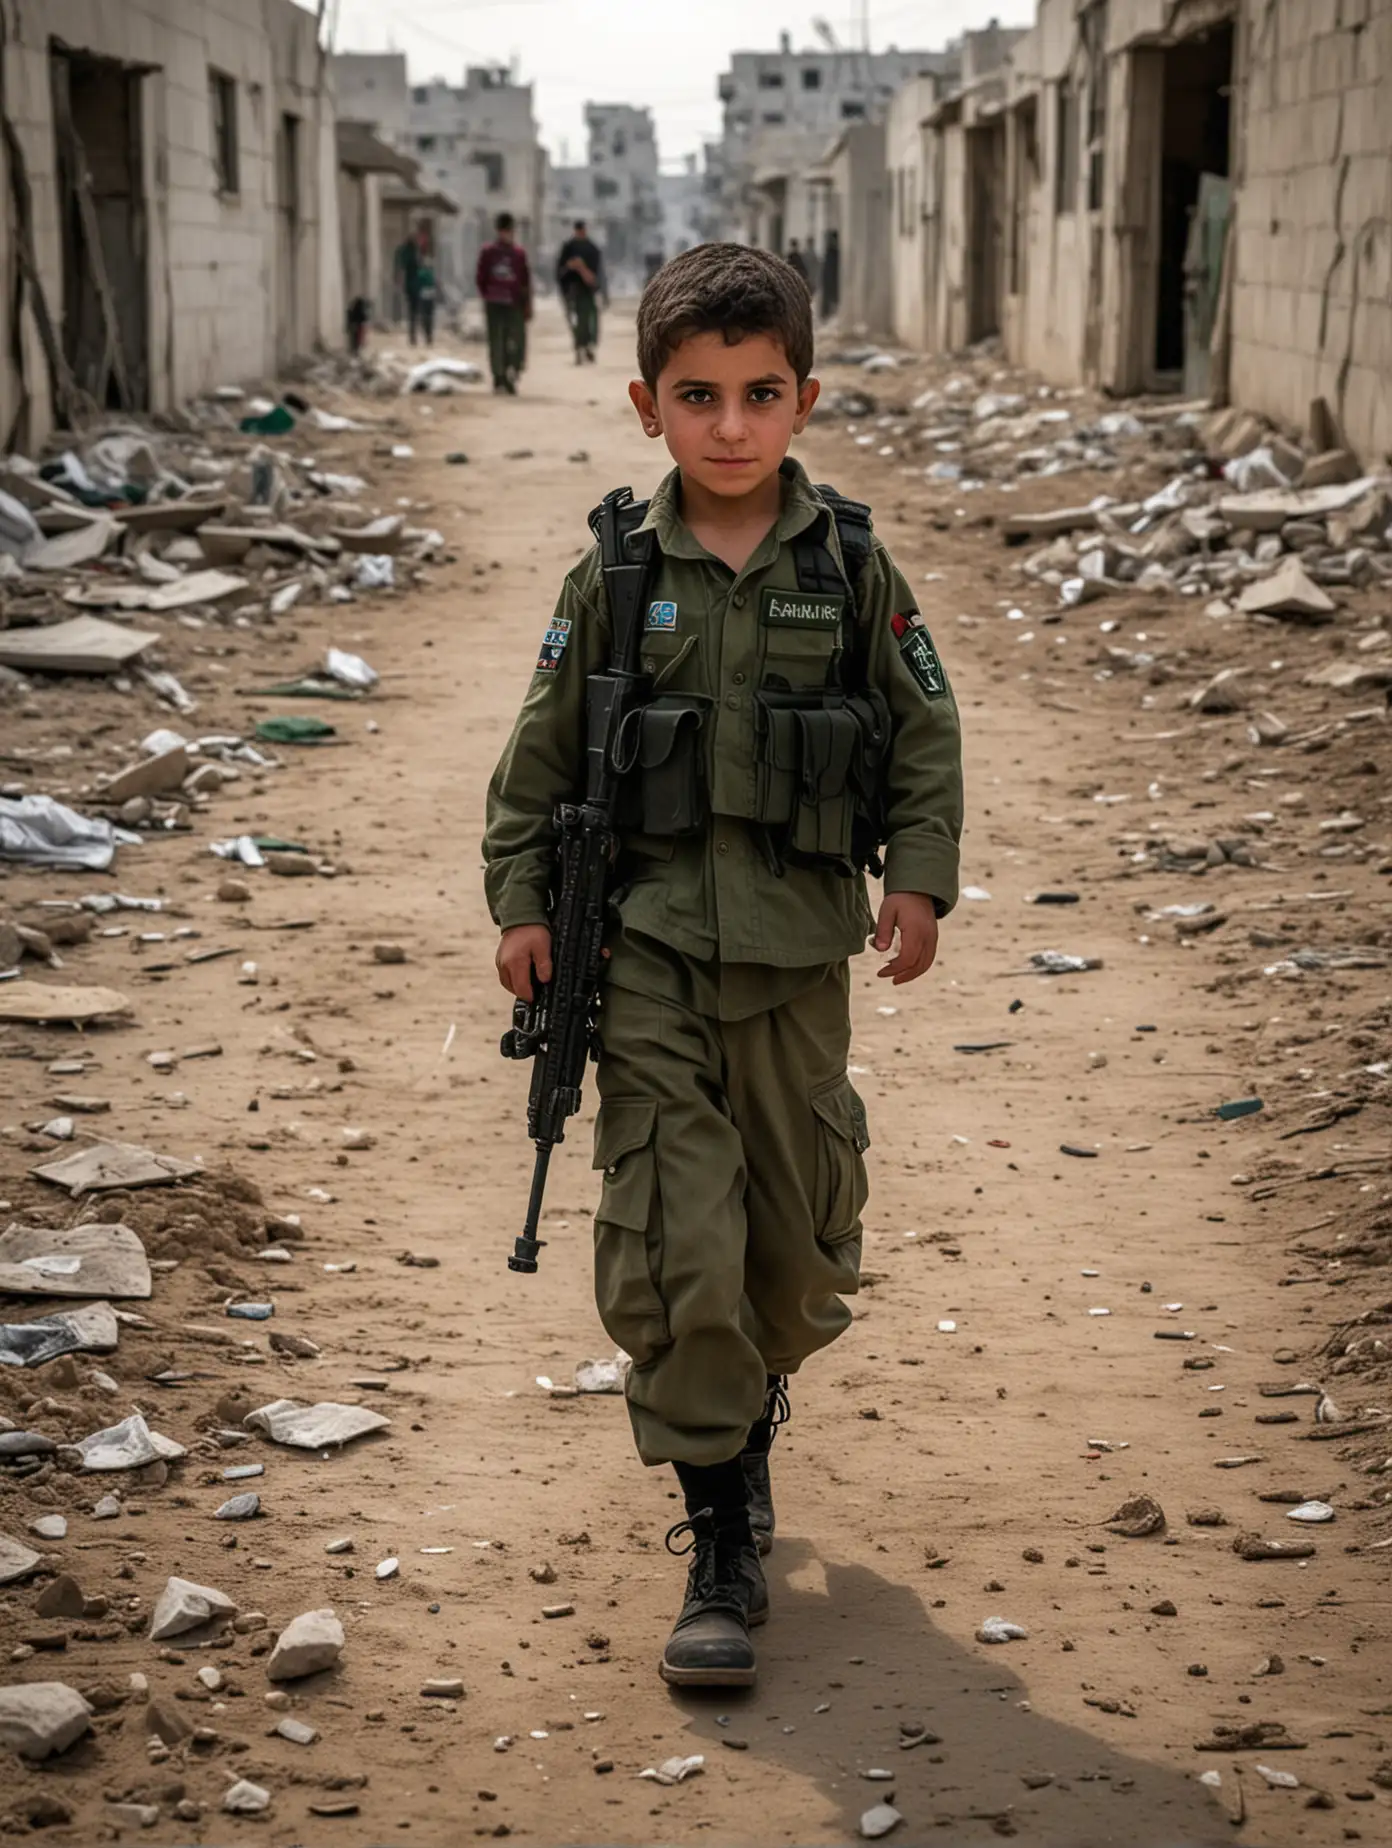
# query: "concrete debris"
246,1799
17,1561
128,1445
41,1718
307,1645
1289,591
185,1606
85,1260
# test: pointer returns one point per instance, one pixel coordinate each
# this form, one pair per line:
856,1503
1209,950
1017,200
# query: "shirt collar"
801,508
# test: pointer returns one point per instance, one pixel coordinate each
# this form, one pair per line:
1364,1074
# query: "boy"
729,1135
580,274
504,280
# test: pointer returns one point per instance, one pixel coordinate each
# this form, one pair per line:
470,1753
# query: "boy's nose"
729,426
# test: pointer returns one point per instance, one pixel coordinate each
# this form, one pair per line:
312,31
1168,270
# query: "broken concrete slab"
80,645
1289,591
108,1165
153,776
387,534
314,1427
41,1718
1268,509
80,545
307,1645
185,1606
47,1002
17,1560
82,1260
197,587
180,516
1330,468
1350,676
128,1445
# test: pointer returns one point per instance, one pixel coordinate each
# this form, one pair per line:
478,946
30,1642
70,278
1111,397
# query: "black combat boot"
755,1460
725,1591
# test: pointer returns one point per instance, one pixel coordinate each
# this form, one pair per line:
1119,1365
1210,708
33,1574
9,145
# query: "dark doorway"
289,218
1195,145
985,229
101,205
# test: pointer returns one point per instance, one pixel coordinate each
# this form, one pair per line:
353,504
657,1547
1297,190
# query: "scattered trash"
128,1445
84,1260
1059,962
314,1427
675,1770
602,1375
1241,1107
1000,1630
1314,1512
37,831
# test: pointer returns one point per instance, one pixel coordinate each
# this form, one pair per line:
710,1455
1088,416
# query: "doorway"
1195,166
985,229
288,224
101,209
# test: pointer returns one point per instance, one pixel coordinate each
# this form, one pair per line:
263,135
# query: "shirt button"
738,599
650,667
737,680
722,846
732,701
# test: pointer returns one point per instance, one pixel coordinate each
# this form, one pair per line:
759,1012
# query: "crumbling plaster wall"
211,256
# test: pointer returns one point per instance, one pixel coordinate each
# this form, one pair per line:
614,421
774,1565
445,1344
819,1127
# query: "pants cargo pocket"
842,1184
628,1228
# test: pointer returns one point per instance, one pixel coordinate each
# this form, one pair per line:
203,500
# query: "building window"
606,188
811,79
772,118
493,168
222,97
421,94
1065,148
425,144
770,80
852,112
620,147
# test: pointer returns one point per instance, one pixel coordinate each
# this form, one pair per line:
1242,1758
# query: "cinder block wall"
1312,302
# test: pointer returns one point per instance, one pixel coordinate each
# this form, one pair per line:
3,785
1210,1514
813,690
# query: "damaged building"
1164,195
170,203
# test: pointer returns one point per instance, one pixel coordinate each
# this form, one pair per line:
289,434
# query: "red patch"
902,624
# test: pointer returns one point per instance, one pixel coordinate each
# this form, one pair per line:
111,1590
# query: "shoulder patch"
918,654
553,645
661,615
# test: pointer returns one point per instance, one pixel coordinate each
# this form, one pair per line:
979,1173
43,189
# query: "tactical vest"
821,735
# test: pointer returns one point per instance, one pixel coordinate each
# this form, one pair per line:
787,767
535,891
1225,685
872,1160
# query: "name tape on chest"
661,616
787,609
553,645
919,655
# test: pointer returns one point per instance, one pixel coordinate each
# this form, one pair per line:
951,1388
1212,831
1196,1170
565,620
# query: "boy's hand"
521,949
915,917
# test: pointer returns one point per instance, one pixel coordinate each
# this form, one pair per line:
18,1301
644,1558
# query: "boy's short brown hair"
729,289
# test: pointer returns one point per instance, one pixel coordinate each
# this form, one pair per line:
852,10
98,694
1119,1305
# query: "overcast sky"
665,53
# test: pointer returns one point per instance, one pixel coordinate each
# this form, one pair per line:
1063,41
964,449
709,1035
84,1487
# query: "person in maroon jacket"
505,283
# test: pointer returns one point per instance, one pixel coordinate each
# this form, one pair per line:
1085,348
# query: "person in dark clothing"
580,273
796,260
504,281
831,275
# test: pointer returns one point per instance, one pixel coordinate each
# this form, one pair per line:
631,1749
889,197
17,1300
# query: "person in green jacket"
730,1138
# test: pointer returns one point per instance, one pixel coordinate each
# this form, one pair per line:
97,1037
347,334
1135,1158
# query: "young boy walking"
799,719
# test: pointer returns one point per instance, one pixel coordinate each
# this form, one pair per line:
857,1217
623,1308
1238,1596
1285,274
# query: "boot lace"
713,1576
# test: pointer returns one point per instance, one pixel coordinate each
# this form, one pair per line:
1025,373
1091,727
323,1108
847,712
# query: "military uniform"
730,1138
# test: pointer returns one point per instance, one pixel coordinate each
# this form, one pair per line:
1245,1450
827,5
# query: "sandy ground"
928,1479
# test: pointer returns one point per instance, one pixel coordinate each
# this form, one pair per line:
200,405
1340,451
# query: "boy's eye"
764,394
697,395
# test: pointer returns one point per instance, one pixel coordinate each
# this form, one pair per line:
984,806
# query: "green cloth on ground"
293,728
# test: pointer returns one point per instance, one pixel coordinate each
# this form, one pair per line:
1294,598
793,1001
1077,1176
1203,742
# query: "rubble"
39,1719
185,1606
308,1645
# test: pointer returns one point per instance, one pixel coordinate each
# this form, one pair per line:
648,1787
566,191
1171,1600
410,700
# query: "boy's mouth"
731,461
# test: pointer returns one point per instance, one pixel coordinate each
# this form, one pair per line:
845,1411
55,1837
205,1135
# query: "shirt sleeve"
480,268
923,783
543,763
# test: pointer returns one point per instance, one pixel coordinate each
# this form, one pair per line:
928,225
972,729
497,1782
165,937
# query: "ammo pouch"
664,767
819,763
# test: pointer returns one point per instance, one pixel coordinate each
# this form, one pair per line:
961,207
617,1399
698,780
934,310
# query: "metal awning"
362,151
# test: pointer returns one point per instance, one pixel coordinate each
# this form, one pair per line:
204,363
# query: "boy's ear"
646,406
808,393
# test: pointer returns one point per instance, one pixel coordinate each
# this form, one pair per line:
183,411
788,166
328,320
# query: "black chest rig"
820,751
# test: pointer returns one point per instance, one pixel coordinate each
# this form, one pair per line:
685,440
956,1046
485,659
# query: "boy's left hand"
915,917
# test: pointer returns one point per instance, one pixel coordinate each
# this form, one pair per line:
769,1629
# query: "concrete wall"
860,182
910,213
1312,304
230,283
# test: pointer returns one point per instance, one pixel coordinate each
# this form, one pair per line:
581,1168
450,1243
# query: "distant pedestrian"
359,314
831,275
406,273
505,282
424,315
796,260
580,273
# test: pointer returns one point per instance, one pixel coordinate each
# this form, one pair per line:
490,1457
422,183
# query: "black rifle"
558,1030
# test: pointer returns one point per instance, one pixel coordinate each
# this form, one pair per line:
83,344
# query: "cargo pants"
729,1227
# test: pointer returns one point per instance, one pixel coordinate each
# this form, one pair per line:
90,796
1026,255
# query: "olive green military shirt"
717,634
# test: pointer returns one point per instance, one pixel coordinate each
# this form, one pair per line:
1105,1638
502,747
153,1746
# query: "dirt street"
1074,1291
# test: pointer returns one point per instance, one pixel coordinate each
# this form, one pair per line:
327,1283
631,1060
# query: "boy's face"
728,413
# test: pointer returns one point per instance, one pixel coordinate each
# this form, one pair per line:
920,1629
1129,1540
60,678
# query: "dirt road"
1043,1335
